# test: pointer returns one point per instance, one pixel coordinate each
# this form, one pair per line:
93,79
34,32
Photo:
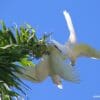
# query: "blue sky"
46,16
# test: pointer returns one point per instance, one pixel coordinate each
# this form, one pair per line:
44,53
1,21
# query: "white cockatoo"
71,48
52,65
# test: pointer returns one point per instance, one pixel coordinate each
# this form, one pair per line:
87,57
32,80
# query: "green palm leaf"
15,46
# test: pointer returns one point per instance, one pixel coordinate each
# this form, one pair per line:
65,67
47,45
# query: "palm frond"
15,46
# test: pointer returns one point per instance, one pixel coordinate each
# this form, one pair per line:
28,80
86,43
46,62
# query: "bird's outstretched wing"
60,67
67,72
86,50
72,37
37,73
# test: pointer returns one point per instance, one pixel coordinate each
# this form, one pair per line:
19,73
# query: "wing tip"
65,12
60,86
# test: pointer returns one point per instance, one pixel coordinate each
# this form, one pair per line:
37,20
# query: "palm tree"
16,46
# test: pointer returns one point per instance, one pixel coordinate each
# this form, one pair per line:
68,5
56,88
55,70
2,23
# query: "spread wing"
60,67
72,37
86,50
37,73
66,71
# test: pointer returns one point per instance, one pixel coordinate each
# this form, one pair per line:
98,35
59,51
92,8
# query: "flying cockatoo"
71,48
52,65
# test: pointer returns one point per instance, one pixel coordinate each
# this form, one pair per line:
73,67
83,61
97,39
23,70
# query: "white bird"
52,65
71,48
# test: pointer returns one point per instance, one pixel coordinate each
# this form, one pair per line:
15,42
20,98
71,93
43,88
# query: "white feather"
93,58
72,37
60,86
60,67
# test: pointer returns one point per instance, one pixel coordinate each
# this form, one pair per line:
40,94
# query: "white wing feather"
60,67
37,73
72,37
